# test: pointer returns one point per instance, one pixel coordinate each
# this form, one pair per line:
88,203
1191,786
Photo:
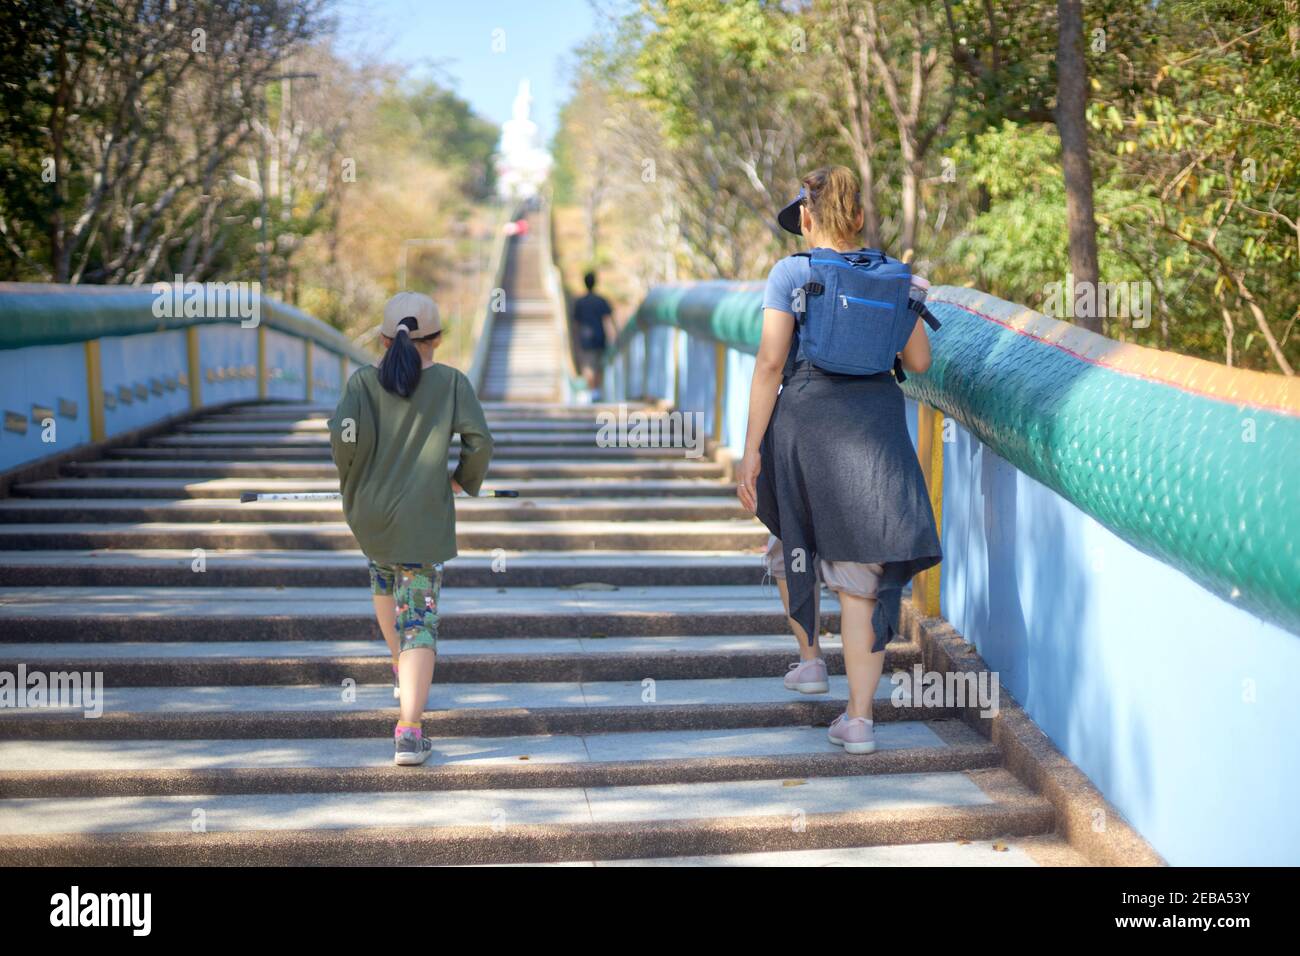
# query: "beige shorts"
847,577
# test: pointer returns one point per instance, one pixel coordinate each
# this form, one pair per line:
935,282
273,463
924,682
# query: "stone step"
234,487
224,439
1036,850
103,768
479,535
201,433
503,430
85,510
460,660
310,614
508,453
462,709
533,410
343,569
500,471
512,825
78,768
336,569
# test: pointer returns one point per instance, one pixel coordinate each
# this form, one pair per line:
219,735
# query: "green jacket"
391,454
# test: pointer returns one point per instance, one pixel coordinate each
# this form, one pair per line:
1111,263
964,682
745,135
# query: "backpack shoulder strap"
812,287
921,310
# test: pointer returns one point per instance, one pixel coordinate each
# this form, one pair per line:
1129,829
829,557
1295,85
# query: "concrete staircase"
524,360
608,687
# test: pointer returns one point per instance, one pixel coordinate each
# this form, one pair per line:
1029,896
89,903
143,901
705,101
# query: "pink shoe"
808,677
855,734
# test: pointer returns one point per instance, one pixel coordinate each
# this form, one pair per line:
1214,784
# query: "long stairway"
608,687
524,360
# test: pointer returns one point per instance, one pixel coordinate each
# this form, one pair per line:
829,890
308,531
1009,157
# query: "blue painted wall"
228,359
1176,704
41,376
286,366
325,376
1153,686
145,380
136,370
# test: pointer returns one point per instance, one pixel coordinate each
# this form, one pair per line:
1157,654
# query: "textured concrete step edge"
473,535
467,722
1085,818
724,508
500,471
1014,815
244,780
185,489
506,623
452,668
455,575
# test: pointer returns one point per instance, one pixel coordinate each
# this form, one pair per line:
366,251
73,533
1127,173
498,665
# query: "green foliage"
432,119
1194,116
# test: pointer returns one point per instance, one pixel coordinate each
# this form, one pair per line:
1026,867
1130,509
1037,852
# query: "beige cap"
411,305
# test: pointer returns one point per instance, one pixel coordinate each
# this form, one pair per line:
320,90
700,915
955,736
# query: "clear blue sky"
458,38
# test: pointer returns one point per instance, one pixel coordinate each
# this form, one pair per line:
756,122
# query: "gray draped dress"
839,479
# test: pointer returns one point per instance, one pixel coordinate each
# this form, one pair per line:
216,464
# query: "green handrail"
34,313
1185,460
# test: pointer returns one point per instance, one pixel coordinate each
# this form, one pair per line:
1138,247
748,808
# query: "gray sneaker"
808,677
410,750
855,734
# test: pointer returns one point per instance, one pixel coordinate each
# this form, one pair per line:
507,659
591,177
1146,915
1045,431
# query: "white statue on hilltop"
522,163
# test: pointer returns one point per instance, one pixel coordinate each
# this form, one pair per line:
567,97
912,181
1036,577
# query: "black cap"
788,217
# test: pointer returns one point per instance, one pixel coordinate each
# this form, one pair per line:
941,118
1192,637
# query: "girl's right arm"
475,439
344,427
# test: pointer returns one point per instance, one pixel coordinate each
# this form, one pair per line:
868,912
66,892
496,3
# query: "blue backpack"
858,313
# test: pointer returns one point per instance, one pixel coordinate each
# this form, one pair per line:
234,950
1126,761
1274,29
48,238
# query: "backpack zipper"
846,299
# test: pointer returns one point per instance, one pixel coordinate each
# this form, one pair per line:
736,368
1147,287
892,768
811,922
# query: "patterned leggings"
415,589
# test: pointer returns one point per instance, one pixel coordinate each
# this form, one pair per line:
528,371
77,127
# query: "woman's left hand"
747,480
456,489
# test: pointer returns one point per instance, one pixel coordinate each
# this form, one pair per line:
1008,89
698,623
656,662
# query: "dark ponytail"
399,371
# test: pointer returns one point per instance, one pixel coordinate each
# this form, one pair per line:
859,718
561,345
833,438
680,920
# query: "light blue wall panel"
1176,704
43,376
228,356
286,366
142,377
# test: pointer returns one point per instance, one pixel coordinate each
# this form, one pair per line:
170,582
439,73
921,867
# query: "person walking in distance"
390,438
595,326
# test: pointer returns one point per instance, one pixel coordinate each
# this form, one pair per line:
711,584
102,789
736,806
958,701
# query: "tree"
139,115
1072,125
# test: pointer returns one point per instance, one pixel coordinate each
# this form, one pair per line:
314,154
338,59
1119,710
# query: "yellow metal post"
929,450
719,388
306,356
94,390
261,361
195,372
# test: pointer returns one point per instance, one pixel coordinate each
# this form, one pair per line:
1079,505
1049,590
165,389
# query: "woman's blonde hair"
834,199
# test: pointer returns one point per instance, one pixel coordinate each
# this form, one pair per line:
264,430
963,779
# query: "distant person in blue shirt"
595,326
